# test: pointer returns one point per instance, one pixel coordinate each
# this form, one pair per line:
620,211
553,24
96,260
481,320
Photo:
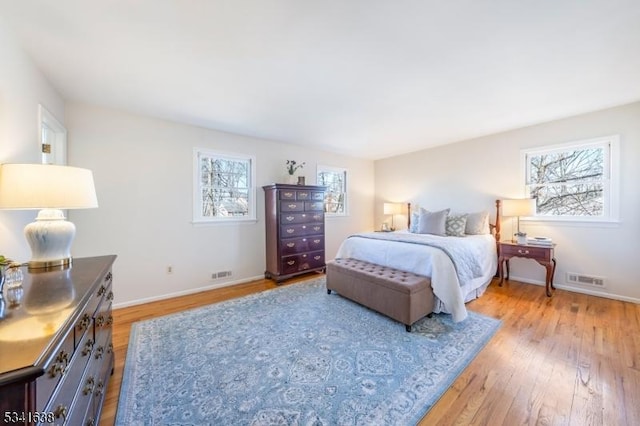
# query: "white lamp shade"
519,207
392,208
38,186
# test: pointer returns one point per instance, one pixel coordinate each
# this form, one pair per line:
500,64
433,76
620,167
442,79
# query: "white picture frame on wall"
53,138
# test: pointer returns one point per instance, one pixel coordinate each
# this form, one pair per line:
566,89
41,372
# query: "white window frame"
198,218
611,181
331,169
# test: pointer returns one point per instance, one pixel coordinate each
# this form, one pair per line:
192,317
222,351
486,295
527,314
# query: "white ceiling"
368,78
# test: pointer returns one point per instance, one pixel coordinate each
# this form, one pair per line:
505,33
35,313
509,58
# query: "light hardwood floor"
571,359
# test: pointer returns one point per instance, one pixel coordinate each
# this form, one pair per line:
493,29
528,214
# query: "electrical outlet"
169,269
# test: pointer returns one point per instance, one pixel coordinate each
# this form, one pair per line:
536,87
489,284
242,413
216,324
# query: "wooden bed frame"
494,228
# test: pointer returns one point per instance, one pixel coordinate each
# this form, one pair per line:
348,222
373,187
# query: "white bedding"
453,282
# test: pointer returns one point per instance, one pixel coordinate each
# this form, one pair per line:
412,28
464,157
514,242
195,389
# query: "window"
574,181
335,197
53,138
224,188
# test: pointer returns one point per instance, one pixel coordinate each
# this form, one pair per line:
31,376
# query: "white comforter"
453,281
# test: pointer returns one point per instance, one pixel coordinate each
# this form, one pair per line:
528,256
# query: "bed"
460,267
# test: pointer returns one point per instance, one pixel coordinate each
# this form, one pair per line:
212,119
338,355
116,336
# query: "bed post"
498,220
408,216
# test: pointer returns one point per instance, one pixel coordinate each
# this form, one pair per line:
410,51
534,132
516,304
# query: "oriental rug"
294,355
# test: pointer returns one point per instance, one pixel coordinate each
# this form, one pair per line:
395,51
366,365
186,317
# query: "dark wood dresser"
56,355
294,216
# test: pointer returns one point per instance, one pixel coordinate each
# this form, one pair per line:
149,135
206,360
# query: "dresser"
56,354
294,216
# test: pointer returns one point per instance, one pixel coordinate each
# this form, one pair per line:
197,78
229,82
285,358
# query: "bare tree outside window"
335,197
570,182
225,186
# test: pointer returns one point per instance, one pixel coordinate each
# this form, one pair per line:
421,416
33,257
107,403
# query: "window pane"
334,198
567,166
585,199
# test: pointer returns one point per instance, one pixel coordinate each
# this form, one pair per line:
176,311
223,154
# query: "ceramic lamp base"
50,238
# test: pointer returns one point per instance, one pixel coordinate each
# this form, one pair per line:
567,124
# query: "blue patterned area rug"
292,356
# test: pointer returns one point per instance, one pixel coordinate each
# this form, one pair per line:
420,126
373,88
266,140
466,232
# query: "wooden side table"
541,254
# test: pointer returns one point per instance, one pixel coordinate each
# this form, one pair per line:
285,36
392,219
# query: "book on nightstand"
540,241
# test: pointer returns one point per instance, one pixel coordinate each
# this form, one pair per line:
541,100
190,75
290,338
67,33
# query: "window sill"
329,216
199,223
570,222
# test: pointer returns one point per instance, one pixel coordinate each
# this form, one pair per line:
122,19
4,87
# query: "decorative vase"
290,179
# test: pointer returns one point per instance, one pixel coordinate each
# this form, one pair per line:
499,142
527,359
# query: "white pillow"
477,223
433,223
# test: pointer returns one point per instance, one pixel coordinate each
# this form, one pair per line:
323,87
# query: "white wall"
143,173
22,88
470,175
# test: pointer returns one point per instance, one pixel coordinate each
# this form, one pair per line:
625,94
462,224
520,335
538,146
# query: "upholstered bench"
403,296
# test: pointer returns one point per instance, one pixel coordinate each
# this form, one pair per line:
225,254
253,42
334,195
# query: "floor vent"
590,280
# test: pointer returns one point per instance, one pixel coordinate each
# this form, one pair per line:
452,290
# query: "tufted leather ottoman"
403,296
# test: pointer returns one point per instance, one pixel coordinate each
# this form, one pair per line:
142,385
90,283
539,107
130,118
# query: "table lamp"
392,209
50,189
518,208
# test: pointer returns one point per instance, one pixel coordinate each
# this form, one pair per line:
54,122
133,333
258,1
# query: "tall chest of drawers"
294,216
56,353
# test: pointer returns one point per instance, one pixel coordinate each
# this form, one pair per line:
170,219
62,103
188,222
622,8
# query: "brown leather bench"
401,295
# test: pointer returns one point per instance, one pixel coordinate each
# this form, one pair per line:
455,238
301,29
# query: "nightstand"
541,254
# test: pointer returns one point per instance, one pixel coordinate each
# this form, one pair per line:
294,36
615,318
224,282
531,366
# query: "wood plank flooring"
571,359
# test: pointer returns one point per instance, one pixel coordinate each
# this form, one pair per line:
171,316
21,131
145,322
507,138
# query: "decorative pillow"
455,225
477,223
415,220
433,223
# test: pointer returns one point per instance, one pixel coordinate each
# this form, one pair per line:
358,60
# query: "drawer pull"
291,245
317,257
108,276
61,411
63,357
60,365
290,218
100,321
316,241
88,347
523,251
88,388
85,322
290,230
317,217
291,262
288,194
110,296
110,348
293,206
109,320
101,290
316,228
303,195
99,352
55,369
100,389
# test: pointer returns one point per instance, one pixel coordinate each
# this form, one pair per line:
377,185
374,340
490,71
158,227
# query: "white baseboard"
185,292
579,290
